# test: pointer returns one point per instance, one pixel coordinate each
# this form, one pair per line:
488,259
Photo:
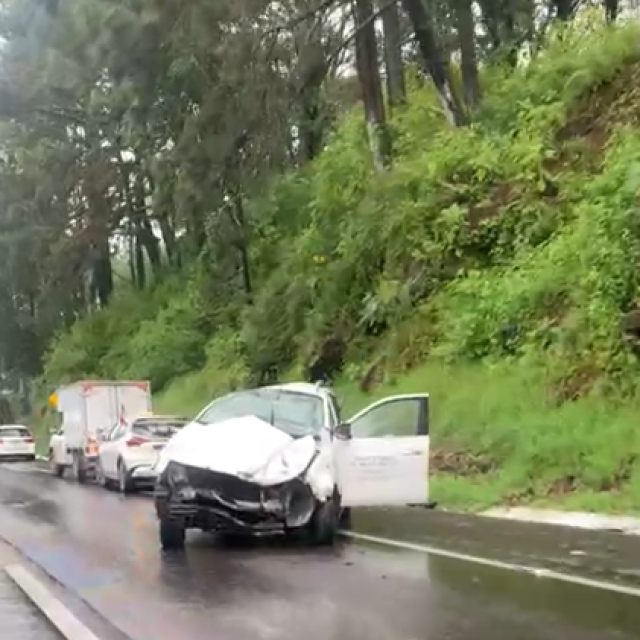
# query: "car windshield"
14,432
298,414
157,428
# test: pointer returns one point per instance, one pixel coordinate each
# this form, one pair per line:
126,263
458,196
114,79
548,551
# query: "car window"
14,432
118,431
298,414
394,418
258,402
157,428
111,431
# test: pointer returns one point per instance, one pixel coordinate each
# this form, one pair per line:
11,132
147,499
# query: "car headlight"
176,475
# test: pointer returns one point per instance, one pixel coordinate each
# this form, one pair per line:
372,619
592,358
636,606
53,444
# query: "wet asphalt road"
104,549
19,620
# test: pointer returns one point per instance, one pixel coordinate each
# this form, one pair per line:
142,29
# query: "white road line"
62,619
38,470
496,564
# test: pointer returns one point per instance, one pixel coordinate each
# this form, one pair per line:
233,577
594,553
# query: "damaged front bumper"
214,501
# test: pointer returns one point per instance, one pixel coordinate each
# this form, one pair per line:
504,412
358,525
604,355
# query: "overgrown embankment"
492,266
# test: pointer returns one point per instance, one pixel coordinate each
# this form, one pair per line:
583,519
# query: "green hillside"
492,266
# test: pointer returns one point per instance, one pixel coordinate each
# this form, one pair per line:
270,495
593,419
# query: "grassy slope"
496,438
518,341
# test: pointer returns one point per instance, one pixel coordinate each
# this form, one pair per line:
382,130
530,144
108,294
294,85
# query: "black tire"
125,486
56,469
324,523
172,535
31,458
79,473
345,518
101,479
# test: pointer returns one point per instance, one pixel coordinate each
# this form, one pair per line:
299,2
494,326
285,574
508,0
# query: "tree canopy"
200,152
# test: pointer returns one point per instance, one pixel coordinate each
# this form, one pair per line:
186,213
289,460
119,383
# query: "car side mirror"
343,431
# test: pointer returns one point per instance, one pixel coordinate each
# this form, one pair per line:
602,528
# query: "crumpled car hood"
247,447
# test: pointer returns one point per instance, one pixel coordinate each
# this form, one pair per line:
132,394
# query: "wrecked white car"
279,459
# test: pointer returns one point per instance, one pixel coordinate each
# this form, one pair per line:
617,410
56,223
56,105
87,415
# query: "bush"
505,251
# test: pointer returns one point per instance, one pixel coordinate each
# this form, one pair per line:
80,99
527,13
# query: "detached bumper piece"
219,502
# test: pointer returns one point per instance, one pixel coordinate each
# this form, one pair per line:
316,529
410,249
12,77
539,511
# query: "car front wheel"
324,524
125,485
172,535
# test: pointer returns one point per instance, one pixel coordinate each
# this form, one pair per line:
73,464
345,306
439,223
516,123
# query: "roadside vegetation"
194,197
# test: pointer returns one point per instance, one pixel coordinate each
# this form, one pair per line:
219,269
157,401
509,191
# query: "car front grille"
228,486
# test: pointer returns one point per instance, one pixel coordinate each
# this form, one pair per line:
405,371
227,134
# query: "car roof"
13,426
306,388
301,387
152,417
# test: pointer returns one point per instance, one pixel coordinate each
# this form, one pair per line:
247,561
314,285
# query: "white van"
86,408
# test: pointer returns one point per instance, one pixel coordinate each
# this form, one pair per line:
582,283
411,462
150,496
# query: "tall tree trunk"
564,9
163,214
467,43
242,244
491,21
145,234
140,269
611,9
396,86
434,61
310,73
369,75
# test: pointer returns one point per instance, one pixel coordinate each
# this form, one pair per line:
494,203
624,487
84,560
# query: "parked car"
16,443
127,452
280,459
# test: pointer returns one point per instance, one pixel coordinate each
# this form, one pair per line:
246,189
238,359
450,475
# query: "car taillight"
135,441
29,439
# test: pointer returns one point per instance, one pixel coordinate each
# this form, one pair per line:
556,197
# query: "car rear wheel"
172,535
101,478
125,486
79,472
56,469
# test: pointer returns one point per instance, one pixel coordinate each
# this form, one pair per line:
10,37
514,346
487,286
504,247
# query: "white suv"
281,459
128,451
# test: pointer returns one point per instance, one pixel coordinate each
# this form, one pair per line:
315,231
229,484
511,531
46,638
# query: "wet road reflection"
600,555
106,548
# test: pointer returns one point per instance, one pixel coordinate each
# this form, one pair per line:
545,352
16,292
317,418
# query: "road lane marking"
496,564
60,617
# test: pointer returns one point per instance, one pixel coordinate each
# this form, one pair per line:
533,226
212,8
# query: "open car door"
382,453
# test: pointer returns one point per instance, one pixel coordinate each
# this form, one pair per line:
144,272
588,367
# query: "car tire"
324,523
101,479
344,520
79,474
125,486
56,469
172,535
